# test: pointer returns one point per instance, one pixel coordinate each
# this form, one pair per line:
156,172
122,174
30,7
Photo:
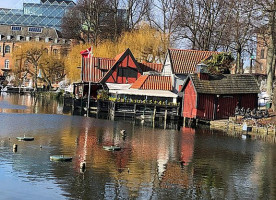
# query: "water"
153,163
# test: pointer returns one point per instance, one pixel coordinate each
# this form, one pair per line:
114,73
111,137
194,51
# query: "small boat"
61,158
25,138
112,148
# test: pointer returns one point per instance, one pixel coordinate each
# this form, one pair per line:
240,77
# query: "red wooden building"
123,69
210,97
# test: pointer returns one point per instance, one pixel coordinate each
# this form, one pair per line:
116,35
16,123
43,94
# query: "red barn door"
226,106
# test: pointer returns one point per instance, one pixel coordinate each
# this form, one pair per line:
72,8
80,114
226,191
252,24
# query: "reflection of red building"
91,151
187,145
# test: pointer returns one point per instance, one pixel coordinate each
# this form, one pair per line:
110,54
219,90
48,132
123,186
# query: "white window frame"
7,64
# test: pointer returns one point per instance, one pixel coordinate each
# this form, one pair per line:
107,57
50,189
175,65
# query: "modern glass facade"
47,13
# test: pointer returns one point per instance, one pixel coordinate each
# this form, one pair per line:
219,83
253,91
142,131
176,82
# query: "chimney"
202,71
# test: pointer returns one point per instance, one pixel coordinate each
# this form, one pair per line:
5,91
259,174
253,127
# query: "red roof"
95,68
119,56
185,61
150,82
151,67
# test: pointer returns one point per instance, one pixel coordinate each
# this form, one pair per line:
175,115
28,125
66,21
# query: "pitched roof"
151,67
185,61
225,84
150,82
94,68
117,60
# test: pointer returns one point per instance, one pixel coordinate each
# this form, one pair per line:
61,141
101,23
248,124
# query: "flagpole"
89,88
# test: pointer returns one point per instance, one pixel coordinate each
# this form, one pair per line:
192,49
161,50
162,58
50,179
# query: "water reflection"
153,163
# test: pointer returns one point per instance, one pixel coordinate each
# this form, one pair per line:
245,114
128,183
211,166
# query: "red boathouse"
212,97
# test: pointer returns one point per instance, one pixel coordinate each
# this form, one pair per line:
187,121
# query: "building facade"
261,53
47,13
11,37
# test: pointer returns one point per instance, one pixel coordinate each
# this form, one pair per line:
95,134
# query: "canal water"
153,164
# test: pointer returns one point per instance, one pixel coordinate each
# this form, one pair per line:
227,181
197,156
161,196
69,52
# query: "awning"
153,93
116,86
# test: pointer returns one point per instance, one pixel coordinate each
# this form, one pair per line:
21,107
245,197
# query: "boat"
25,138
12,89
61,158
112,148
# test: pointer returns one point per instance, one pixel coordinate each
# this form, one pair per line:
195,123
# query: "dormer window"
8,37
35,29
16,28
47,39
56,40
18,37
37,38
28,38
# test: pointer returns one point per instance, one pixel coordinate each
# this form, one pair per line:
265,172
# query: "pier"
128,109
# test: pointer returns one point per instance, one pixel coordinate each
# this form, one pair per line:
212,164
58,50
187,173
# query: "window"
55,52
45,50
262,54
7,49
35,29
16,28
7,64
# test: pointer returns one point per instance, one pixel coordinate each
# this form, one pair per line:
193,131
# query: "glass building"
47,13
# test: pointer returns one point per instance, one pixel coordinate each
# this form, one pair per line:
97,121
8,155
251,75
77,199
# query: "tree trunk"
35,78
270,65
238,61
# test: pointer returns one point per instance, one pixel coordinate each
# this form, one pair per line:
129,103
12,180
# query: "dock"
141,110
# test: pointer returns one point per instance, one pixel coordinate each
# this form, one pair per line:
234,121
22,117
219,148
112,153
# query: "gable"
125,70
167,68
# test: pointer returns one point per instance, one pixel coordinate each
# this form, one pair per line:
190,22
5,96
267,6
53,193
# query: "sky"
14,3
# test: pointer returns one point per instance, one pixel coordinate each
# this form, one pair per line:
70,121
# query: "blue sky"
13,3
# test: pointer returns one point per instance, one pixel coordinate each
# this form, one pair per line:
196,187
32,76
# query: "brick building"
261,53
12,36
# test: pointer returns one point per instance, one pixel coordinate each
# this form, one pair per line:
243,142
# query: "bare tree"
268,9
94,20
164,18
137,11
240,30
203,22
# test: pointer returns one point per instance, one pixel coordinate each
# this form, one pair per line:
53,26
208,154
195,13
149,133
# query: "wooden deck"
143,111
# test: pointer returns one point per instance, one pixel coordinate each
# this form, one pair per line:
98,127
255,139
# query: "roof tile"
185,61
226,84
150,82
